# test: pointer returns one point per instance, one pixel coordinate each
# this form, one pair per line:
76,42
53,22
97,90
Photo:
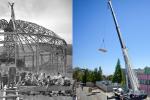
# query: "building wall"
69,70
144,81
144,78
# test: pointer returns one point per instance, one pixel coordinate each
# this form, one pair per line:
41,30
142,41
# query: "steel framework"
37,46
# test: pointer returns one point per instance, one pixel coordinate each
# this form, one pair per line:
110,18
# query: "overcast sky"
55,15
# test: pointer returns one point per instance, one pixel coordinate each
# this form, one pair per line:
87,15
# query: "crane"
130,75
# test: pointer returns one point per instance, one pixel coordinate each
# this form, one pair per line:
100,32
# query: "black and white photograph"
36,50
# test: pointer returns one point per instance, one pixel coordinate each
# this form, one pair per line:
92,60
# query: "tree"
104,77
110,77
86,75
117,77
84,78
77,74
92,77
89,76
123,82
95,75
99,74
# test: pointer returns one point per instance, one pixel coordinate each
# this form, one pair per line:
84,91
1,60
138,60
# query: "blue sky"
92,21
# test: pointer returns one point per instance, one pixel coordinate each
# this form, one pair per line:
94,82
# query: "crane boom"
130,73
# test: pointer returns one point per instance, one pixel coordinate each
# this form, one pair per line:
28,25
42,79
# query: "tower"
10,44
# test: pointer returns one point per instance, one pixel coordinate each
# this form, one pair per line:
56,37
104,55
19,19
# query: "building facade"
144,80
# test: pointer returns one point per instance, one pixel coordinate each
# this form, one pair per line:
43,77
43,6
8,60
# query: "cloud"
55,15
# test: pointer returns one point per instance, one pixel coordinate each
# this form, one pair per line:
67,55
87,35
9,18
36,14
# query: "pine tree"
118,77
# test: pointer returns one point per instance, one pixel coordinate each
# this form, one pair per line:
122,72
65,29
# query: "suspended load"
103,49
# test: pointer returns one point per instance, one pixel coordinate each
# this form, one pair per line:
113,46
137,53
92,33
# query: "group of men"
43,80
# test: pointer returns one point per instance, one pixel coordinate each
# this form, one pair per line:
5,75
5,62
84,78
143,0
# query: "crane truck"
133,91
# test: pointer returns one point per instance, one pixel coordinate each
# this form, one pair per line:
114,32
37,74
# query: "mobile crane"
133,93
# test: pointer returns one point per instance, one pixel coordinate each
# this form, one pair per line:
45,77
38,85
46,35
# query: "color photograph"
111,49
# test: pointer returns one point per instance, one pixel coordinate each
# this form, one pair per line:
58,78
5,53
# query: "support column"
65,60
57,63
41,59
33,60
37,55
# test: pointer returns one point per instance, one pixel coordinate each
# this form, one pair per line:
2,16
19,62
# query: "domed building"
32,47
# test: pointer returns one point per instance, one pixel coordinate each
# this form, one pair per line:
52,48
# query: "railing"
7,91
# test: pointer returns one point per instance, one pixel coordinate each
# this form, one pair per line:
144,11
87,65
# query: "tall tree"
89,76
123,82
110,77
84,78
77,74
99,74
117,77
95,74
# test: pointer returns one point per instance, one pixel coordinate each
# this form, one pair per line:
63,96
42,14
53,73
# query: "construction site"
30,53
32,46
94,87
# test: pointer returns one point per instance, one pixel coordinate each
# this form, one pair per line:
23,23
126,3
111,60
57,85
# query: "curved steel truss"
42,46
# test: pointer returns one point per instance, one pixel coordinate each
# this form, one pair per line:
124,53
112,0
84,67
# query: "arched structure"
38,47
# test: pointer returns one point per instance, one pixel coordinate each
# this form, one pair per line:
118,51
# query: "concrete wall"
90,84
106,88
69,70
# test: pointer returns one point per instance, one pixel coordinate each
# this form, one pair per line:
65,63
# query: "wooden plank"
10,91
10,96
